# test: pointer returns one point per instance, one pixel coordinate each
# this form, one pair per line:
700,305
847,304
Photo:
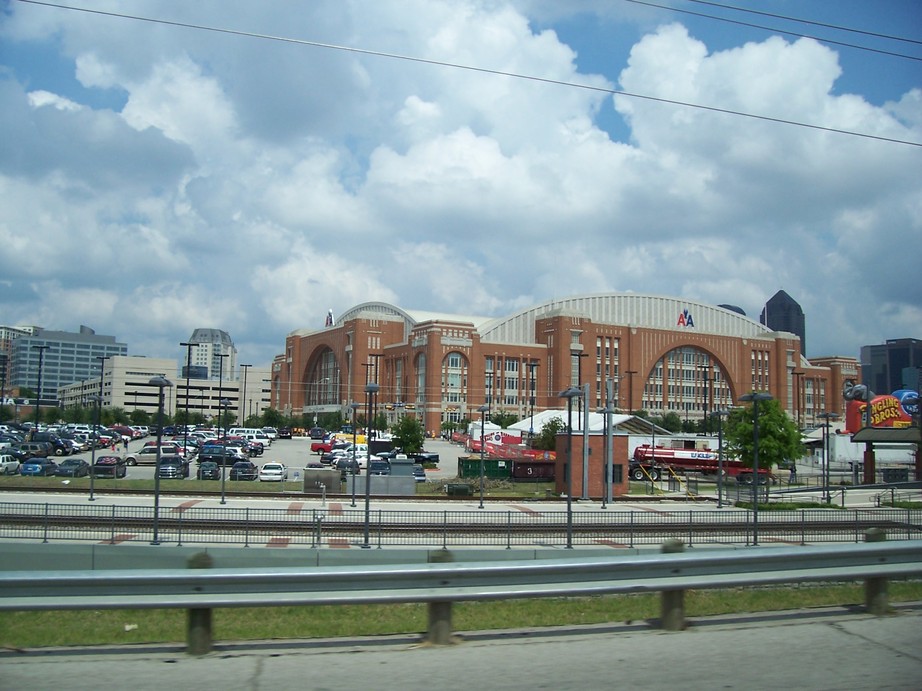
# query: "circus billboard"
891,410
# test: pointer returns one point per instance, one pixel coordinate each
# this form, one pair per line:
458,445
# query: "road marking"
295,507
526,510
278,542
336,509
338,543
186,505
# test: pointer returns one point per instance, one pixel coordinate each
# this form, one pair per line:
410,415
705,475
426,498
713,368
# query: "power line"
471,68
825,25
775,30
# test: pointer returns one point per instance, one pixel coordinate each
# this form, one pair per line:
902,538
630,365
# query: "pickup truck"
322,446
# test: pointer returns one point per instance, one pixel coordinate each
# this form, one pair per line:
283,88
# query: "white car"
273,472
9,465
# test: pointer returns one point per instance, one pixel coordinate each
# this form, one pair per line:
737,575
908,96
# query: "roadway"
832,648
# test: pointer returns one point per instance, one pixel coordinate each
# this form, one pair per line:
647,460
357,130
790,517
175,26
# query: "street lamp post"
354,406
754,398
826,417
531,401
38,393
609,453
222,413
483,410
570,393
243,397
370,390
185,427
721,414
161,383
93,439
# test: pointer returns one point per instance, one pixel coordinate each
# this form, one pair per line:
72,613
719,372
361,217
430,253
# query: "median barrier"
444,582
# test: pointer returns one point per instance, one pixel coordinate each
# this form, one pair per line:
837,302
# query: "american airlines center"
661,354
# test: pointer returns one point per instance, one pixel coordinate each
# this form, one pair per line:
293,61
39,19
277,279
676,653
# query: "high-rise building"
783,313
59,358
893,365
206,361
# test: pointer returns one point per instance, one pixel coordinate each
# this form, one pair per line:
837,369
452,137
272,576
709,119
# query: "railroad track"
313,523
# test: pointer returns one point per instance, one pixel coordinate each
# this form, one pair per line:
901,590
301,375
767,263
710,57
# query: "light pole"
354,406
370,390
243,398
570,393
826,417
483,410
609,453
161,383
531,401
721,414
755,398
222,412
220,357
38,393
93,438
185,434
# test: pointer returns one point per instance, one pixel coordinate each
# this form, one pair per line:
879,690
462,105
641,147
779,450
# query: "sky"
249,166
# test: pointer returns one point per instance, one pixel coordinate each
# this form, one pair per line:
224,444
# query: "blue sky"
156,179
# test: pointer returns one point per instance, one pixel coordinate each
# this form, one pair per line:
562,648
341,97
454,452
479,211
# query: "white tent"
623,424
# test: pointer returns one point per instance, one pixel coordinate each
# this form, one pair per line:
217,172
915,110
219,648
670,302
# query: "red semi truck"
651,462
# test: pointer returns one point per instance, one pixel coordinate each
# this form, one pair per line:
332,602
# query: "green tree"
273,418
779,438
546,439
140,417
408,434
503,419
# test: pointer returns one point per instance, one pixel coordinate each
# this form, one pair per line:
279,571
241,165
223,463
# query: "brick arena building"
656,353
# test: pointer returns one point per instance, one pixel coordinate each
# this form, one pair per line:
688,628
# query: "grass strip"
19,630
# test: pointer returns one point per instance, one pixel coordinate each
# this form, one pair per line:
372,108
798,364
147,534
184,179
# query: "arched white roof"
626,309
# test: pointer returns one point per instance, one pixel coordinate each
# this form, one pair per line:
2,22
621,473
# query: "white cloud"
250,185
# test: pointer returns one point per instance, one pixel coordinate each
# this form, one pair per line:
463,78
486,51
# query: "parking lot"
295,453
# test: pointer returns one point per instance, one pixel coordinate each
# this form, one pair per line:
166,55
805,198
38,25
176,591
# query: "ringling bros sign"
894,410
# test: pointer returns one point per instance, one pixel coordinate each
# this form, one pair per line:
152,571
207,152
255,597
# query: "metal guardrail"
199,589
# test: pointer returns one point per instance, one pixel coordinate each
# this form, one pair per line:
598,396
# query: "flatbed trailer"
648,462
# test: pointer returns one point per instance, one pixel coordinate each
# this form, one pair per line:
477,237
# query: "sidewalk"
833,648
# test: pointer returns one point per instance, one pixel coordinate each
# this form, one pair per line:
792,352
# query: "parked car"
38,465
110,466
379,467
244,470
419,472
222,455
284,433
59,446
35,449
273,472
147,454
316,432
209,470
9,464
73,467
173,467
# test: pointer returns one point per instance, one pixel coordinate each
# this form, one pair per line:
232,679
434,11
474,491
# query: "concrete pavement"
834,648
